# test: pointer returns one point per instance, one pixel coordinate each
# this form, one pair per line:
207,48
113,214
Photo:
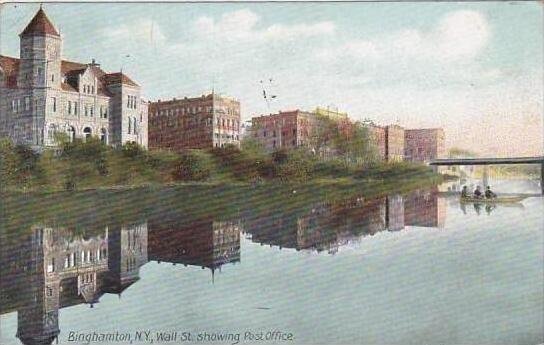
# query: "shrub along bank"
86,165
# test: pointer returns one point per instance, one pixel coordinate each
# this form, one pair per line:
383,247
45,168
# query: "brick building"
41,94
377,137
287,129
424,145
194,123
394,143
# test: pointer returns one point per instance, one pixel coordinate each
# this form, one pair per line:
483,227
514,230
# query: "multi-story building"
194,123
424,145
41,94
377,137
287,129
394,143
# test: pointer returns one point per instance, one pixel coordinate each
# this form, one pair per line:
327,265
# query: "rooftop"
40,25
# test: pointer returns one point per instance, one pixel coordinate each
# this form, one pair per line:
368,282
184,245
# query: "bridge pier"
542,178
486,176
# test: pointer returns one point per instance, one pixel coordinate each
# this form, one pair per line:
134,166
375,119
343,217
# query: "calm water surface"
403,269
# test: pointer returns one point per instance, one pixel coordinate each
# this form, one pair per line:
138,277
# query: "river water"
417,268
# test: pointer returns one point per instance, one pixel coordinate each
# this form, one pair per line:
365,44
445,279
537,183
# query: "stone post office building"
42,94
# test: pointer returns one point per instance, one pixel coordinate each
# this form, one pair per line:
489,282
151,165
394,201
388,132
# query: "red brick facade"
194,123
423,145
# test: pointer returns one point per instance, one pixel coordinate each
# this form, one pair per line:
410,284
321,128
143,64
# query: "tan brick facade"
288,129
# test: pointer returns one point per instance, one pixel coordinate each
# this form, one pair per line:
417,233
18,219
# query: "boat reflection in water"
47,268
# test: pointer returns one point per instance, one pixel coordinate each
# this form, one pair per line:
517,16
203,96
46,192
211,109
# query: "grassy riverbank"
91,165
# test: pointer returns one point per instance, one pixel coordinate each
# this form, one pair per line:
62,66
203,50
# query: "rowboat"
497,200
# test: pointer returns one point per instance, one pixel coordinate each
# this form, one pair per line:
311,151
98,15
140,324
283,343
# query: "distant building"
41,94
424,145
377,138
287,129
194,123
332,114
394,143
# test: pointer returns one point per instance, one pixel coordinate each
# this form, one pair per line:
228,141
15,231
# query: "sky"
473,68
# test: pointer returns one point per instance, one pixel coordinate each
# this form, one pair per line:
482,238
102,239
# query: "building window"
14,105
87,132
27,103
75,108
104,136
92,89
91,110
54,104
52,77
86,111
49,291
71,133
69,107
273,134
51,265
264,134
40,75
129,125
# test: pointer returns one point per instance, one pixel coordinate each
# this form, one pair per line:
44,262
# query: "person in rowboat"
489,194
478,193
464,192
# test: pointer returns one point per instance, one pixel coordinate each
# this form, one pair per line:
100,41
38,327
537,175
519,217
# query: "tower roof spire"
40,25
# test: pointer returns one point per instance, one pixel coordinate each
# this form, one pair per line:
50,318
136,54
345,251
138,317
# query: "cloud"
144,31
422,77
458,35
243,25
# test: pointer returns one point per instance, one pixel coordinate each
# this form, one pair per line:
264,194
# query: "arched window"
51,132
104,135
87,132
71,133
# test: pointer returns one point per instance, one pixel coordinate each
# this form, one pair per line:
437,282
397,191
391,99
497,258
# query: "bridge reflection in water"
47,268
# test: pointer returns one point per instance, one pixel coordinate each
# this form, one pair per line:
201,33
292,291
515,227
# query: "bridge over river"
493,161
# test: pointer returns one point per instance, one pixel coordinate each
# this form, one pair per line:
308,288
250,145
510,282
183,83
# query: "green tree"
191,167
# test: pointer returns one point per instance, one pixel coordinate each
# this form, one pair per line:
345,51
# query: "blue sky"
473,68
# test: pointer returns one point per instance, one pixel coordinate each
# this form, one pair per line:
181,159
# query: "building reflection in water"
205,243
52,268
329,226
47,269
